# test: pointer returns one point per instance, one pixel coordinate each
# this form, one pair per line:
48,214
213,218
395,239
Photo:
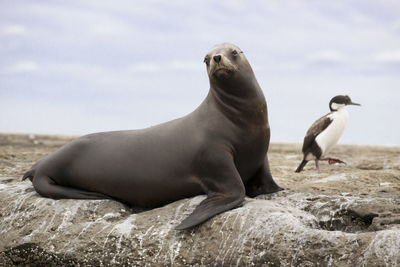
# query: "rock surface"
343,215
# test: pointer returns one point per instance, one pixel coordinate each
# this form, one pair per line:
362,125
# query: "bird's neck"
341,113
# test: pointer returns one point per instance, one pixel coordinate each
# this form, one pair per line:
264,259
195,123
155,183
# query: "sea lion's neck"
241,101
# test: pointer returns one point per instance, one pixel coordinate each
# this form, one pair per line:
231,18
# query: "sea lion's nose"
217,58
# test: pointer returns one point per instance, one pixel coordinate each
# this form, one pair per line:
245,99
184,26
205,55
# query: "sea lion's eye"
235,53
206,60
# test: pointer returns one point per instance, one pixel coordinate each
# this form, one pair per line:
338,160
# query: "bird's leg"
317,164
333,160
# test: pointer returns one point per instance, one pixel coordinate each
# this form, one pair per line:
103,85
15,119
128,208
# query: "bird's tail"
301,166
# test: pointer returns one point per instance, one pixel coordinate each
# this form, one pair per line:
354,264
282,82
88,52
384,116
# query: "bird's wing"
316,128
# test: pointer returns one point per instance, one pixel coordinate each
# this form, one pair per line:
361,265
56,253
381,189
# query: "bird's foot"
333,161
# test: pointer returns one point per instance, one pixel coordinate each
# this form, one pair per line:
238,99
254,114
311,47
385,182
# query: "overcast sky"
76,67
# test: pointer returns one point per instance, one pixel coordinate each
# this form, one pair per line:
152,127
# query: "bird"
325,132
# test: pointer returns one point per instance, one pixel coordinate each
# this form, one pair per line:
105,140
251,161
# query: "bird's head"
341,101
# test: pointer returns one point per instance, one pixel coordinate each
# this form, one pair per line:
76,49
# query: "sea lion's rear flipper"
31,173
262,182
224,188
46,187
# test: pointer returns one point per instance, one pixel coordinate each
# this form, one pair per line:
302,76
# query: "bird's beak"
355,104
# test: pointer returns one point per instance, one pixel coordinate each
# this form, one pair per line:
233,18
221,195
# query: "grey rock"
319,220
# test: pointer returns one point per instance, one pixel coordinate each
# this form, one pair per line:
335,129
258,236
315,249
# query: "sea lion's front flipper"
208,208
262,182
224,188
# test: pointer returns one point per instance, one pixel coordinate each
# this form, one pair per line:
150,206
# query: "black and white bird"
325,132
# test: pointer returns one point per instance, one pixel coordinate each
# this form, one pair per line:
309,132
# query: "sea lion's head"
227,61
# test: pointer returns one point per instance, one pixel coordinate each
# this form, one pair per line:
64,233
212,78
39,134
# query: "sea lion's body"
219,150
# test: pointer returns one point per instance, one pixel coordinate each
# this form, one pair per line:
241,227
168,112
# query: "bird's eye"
235,53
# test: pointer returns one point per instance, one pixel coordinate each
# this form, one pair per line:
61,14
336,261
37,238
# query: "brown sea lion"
220,149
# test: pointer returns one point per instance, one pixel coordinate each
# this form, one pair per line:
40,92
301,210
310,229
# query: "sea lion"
220,149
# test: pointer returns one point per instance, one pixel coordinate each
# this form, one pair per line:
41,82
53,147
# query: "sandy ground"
369,169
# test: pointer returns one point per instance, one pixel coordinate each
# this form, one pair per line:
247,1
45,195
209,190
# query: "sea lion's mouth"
222,72
222,69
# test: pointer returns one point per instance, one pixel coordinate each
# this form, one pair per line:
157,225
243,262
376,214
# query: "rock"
370,165
337,217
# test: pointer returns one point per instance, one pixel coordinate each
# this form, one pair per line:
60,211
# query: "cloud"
23,66
148,51
175,65
327,56
13,30
84,20
144,67
110,28
396,27
388,57
185,65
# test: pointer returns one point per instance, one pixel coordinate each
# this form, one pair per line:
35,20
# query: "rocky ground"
343,215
